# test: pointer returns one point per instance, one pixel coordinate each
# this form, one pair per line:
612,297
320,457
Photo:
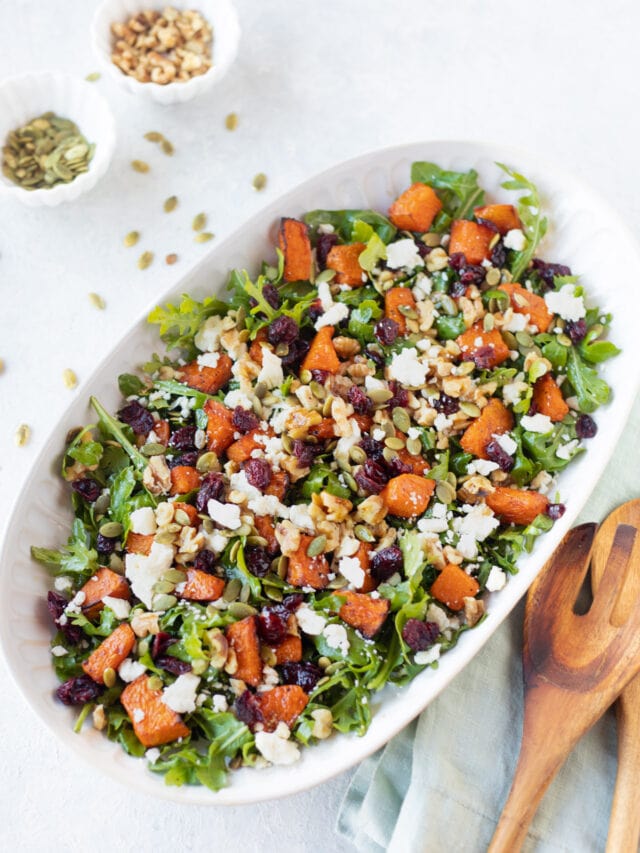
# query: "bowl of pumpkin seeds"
57,138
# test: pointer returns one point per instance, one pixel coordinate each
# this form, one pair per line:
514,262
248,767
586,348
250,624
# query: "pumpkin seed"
379,395
260,541
23,434
153,449
326,275
431,240
91,78
394,443
524,339
510,340
102,504
357,455
273,593
207,462
564,340
363,533
338,582
408,311
469,409
170,204
245,593
232,590
334,667
145,260
199,222
171,259
243,530
199,666
111,529
97,301
318,390
182,518
153,136
401,419
260,390
154,682
389,429
240,610
445,492
349,481
466,367
140,166
175,576
451,479
69,378
116,565
317,546
447,305
283,567
131,239
488,322
164,587
164,601
305,376
260,181
167,147
109,676
231,121
203,237
233,553
389,454
327,406
492,277
414,446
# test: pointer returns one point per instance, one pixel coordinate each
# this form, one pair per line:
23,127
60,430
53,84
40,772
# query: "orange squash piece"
344,260
207,379
184,479
104,582
201,586
139,543
418,464
516,506
293,240
154,723
365,422
304,570
407,495
265,527
394,299
110,653
453,585
503,216
278,485
255,350
242,636
471,239
322,354
415,209
525,302
191,511
363,555
362,612
495,419
242,449
282,704
288,650
162,431
486,349
548,400
220,429
324,430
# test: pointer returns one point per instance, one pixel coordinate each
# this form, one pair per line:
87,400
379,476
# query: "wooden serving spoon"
624,825
574,666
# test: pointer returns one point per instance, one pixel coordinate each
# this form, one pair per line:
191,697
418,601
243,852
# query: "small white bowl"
25,97
220,14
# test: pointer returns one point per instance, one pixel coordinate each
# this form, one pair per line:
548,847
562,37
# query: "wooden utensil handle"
624,825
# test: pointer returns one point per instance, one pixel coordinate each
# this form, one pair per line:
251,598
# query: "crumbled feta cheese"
59,651
439,510
566,451
181,695
413,432
432,525
428,656
144,571
226,515
62,583
219,702
517,323
278,419
207,337
309,621
130,669
537,423
442,422
209,359
371,384
325,228
267,505
276,746
436,614
351,569
121,608
152,755
482,466
138,715
237,398
565,304
299,515
215,541
336,314
271,373
348,546
378,434
506,442
467,546
324,295
407,369
422,286
515,240
403,253
496,580
239,483
512,392
478,522
336,637
143,521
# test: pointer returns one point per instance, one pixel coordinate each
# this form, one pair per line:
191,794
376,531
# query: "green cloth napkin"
441,783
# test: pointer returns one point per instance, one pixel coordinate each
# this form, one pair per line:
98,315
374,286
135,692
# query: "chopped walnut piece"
473,610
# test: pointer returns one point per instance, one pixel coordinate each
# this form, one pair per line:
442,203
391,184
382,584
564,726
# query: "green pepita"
283,567
170,204
394,443
199,666
317,546
164,601
145,260
240,610
445,492
154,682
379,395
232,590
401,419
203,237
488,322
414,446
175,576
231,121
163,587
208,462
273,593
492,277
109,676
140,166
469,409
153,449
131,239
182,518
357,455
524,339
564,340
260,181
363,533
111,529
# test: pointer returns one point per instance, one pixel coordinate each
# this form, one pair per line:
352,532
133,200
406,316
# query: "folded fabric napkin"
441,783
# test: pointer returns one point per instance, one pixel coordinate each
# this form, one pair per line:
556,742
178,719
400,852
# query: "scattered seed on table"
231,121
167,147
154,136
171,259
91,78
199,221
204,237
23,434
97,301
171,203
260,181
131,239
145,260
140,166
69,378
1,365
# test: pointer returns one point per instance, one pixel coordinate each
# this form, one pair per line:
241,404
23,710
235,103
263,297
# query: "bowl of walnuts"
169,54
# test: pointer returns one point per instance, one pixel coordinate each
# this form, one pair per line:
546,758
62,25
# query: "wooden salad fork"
574,665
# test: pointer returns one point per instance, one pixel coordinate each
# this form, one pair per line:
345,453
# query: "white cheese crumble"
267,505
59,651
512,392
237,398
403,253
271,373
515,240
428,656
130,669
209,359
350,568
121,608
64,583
219,702
143,521
482,466
239,483
181,695
565,304
207,338
517,323
537,423
138,715
566,451
226,515
478,522
309,621
442,422
276,746
432,525
336,637
496,580
336,314
299,515
144,571
406,368
506,442
152,755
324,295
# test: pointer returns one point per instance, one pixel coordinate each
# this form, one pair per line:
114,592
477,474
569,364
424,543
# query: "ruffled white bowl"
221,14
28,96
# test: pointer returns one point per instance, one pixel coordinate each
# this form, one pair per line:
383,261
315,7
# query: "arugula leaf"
123,501
375,251
76,557
130,384
410,543
322,478
179,323
343,222
178,389
112,427
362,319
591,391
449,328
534,224
458,191
593,350
86,452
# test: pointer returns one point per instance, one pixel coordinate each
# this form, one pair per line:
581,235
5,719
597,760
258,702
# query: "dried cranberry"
472,274
374,449
372,477
324,244
305,453
173,665
272,624
400,397
386,562
56,605
292,601
376,357
244,420
271,295
315,310
305,674
184,438
160,644
283,330
446,404
576,329
79,690
137,417
247,709
498,255
457,260
362,404
397,467
258,560
211,488
386,331
484,357
420,635
548,272
258,473
423,249
499,455
106,544
319,376
87,488
586,427
556,511
189,459
205,561
297,351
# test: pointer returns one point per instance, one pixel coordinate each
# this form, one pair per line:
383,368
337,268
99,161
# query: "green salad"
308,496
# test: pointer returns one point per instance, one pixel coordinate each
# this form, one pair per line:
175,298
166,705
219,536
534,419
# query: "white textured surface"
310,88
